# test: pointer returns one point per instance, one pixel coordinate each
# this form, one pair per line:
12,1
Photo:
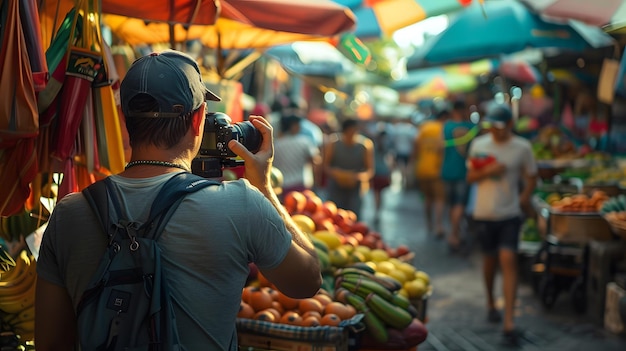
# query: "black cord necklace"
155,163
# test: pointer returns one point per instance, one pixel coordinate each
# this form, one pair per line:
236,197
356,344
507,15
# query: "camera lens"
247,135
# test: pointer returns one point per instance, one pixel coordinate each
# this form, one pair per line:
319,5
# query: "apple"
357,235
360,227
330,208
402,250
313,204
294,202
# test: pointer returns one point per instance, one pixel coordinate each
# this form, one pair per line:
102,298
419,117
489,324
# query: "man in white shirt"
498,208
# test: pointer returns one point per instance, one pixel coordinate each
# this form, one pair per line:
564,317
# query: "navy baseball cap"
498,116
172,78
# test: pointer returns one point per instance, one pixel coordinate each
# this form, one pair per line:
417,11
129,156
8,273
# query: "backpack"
127,305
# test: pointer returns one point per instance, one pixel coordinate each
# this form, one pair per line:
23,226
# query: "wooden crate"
613,319
272,343
579,227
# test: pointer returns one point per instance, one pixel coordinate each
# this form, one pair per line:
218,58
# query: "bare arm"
55,321
298,275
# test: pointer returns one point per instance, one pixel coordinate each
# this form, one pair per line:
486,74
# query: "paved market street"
456,311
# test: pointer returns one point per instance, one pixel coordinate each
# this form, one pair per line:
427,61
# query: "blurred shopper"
295,155
453,170
402,136
349,166
382,168
498,162
427,157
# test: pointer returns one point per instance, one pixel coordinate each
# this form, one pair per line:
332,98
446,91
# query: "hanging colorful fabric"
56,58
19,125
82,68
32,35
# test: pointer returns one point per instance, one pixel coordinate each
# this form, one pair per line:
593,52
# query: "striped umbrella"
378,18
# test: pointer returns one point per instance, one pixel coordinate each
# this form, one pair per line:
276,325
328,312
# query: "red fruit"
360,227
358,236
370,241
329,208
391,252
294,202
402,250
313,204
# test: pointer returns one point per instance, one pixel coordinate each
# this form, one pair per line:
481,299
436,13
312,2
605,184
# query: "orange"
275,312
260,299
287,302
245,311
311,321
312,314
343,311
292,318
278,307
245,293
265,316
310,304
273,292
330,319
324,299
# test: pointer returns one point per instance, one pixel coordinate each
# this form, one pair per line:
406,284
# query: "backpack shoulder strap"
170,196
97,196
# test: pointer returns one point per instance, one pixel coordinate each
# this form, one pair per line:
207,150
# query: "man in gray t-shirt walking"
498,162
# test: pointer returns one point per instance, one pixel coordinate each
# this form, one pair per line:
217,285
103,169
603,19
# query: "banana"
391,284
28,314
24,278
375,327
26,330
401,301
12,275
361,266
16,304
363,287
390,314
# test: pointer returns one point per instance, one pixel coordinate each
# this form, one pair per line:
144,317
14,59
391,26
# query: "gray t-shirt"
206,248
498,198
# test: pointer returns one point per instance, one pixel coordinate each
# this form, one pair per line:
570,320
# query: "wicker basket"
617,226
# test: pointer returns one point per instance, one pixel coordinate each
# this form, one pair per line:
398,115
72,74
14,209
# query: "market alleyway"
456,310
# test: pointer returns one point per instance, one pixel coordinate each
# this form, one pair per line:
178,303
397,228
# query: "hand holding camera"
258,165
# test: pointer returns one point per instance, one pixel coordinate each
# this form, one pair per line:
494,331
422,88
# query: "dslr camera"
214,154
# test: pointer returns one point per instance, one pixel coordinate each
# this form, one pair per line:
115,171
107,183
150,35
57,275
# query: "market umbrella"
504,27
441,86
317,58
601,13
378,18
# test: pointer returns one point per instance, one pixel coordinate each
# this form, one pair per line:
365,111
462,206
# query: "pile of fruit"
580,203
361,274
389,316
17,297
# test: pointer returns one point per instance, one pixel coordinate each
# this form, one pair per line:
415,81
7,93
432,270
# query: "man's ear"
197,119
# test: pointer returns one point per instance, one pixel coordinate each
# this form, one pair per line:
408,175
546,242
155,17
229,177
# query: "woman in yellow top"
428,157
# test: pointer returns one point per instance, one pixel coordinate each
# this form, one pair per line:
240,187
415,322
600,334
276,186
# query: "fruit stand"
577,214
372,297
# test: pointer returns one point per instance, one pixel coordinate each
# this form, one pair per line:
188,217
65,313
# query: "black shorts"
457,192
496,235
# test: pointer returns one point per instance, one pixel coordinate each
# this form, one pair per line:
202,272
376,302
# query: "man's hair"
287,122
349,123
459,105
161,132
